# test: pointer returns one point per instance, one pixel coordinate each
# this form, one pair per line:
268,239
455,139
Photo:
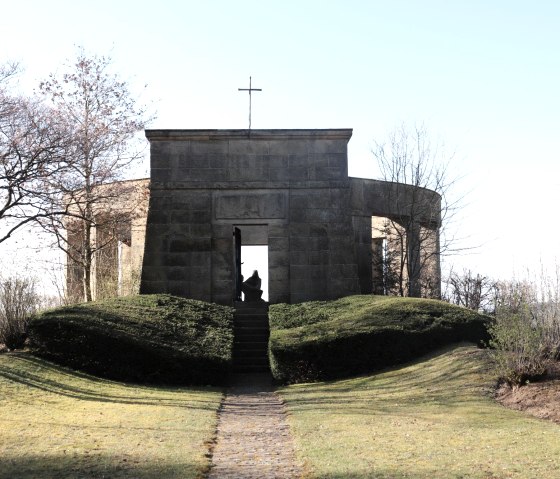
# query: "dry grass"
55,423
432,419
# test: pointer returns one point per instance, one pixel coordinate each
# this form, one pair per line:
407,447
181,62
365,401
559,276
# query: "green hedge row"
147,338
360,334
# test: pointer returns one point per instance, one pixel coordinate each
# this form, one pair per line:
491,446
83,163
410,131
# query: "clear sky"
483,76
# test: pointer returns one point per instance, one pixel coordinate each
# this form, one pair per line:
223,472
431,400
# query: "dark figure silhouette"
252,288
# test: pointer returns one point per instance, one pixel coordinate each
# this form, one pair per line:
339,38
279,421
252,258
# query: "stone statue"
252,288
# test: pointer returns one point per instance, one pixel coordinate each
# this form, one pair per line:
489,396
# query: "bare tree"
104,120
18,301
471,291
31,147
410,158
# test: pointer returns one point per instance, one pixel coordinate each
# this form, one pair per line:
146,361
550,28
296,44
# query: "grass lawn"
56,423
431,419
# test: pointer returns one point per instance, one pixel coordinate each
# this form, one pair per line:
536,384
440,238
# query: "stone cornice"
208,135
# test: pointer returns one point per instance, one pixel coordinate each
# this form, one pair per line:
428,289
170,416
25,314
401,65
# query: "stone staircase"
250,343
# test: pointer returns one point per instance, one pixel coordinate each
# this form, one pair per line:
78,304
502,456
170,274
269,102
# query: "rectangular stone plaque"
251,206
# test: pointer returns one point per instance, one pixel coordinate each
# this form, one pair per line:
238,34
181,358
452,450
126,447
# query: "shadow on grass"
373,474
33,372
445,378
96,467
92,466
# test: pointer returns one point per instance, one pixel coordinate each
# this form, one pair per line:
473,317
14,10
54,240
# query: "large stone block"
175,259
152,287
299,258
299,272
298,173
248,147
290,147
278,273
153,273
176,274
186,244
200,174
298,243
278,161
205,148
248,168
197,200
179,288
161,174
318,274
253,205
318,257
201,263
278,244
318,243
157,216
281,175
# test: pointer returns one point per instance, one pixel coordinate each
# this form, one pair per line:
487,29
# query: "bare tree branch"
414,246
104,121
31,153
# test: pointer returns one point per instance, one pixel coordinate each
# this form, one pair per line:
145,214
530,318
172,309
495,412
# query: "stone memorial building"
214,191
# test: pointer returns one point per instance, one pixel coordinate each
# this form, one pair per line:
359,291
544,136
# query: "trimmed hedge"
360,334
147,338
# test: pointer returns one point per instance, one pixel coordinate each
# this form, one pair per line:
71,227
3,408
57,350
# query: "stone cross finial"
250,89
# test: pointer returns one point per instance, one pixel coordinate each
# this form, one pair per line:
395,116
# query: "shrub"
147,338
18,301
360,334
520,350
525,334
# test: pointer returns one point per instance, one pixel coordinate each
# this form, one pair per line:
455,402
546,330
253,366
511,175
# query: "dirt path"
253,438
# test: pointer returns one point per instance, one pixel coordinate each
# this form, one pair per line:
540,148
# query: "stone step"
244,352
251,369
251,332
250,319
256,345
251,361
251,337
250,327
250,346
252,313
249,322
241,330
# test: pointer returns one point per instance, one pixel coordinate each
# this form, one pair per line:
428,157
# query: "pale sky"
483,76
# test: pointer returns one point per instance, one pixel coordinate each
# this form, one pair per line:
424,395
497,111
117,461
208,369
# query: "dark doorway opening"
251,253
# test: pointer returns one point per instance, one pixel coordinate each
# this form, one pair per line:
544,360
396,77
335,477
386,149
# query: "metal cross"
250,89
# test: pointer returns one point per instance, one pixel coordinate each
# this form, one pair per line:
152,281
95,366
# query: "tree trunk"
87,283
87,258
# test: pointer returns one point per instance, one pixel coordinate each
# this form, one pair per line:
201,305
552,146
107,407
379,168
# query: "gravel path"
253,439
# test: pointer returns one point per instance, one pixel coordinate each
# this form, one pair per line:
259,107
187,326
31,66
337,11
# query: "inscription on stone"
251,206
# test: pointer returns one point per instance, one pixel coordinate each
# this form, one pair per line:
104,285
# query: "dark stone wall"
290,187
206,182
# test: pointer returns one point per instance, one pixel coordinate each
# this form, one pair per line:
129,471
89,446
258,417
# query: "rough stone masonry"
214,190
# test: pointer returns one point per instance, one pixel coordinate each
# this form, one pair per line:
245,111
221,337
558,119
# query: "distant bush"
359,334
18,301
519,349
525,334
146,338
